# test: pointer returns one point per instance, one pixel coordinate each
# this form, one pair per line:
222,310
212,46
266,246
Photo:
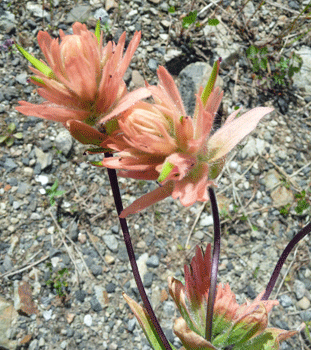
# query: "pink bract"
159,141
87,79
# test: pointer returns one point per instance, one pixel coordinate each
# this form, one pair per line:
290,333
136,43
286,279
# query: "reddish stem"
130,251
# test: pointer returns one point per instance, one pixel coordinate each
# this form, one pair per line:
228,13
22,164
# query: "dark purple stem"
215,261
127,239
290,246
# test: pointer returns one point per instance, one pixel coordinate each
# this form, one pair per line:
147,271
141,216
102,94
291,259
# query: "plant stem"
290,246
215,261
128,242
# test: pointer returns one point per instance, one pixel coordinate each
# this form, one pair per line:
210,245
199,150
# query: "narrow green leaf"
166,170
37,79
54,186
18,135
43,68
99,164
211,82
146,324
97,31
97,150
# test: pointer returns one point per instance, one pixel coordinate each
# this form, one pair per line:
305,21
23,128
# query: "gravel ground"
75,248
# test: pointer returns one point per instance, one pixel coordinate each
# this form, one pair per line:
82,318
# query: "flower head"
159,141
234,326
81,80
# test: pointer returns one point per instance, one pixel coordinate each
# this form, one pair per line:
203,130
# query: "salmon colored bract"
161,142
82,81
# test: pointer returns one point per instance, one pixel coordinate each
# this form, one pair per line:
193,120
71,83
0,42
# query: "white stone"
47,314
88,320
43,179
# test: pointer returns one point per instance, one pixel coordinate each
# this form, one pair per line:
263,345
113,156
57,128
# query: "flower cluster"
81,80
84,88
234,326
161,142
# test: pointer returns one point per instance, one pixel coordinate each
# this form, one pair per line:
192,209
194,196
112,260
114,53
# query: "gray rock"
36,10
302,79
169,308
96,270
16,205
131,325
306,316
110,287
74,231
191,78
9,165
299,289
80,295
95,305
23,188
111,243
148,278
153,64
33,345
22,78
249,9
207,220
79,13
172,54
7,263
285,300
64,142
7,20
253,147
102,15
271,179
153,261
44,159
115,229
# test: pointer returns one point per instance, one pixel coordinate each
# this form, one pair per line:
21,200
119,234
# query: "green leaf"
97,150
99,163
252,51
111,126
37,79
146,324
97,31
3,138
11,127
211,82
172,9
189,19
166,170
18,135
52,201
9,142
43,68
213,22
54,186
59,193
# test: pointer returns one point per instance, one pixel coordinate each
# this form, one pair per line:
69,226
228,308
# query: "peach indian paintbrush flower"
159,141
234,326
82,80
